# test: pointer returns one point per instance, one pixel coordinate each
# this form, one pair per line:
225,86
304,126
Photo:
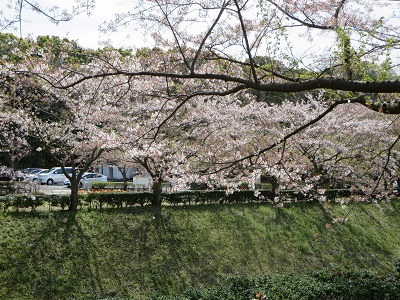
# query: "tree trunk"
124,170
157,188
125,180
274,185
73,205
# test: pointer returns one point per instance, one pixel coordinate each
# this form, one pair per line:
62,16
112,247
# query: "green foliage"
397,267
215,197
12,48
63,51
18,202
125,199
111,185
325,284
92,200
62,201
110,194
128,53
99,200
357,69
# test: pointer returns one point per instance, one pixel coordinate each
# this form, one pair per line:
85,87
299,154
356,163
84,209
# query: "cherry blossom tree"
222,56
218,63
236,32
342,150
13,144
231,35
86,132
159,150
222,53
73,126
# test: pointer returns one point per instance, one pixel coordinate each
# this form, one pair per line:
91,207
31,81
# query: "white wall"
112,172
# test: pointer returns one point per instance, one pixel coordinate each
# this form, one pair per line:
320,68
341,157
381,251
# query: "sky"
82,28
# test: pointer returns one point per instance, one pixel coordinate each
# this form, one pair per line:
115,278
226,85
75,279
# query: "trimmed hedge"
126,199
98,200
215,197
110,185
32,202
92,200
20,202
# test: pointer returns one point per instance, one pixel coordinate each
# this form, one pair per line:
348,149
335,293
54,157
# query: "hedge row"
17,201
218,196
126,199
99,200
110,185
355,285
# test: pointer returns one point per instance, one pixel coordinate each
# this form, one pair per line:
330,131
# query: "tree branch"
284,87
230,164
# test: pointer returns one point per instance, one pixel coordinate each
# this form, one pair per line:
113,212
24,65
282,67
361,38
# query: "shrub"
356,285
107,185
62,201
108,193
215,197
95,200
115,186
20,201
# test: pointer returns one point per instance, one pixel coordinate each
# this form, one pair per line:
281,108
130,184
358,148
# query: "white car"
88,177
54,175
34,176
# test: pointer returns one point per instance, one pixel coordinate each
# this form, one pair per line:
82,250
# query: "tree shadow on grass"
54,259
118,252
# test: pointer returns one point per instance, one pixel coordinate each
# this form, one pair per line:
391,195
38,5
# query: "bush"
109,185
93,200
115,186
98,200
20,201
215,197
356,285
62,201
117,198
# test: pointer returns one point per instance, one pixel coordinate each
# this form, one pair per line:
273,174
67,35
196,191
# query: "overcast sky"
83,28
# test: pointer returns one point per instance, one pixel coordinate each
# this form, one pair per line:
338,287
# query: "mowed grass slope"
132,253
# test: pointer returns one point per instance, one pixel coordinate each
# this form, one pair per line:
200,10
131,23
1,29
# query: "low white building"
114,173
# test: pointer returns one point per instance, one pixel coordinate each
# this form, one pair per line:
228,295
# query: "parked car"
88,177
8,174
5,177
34,176
28,171
9,177
54,176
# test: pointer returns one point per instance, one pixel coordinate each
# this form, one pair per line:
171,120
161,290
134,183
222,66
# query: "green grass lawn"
131,253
